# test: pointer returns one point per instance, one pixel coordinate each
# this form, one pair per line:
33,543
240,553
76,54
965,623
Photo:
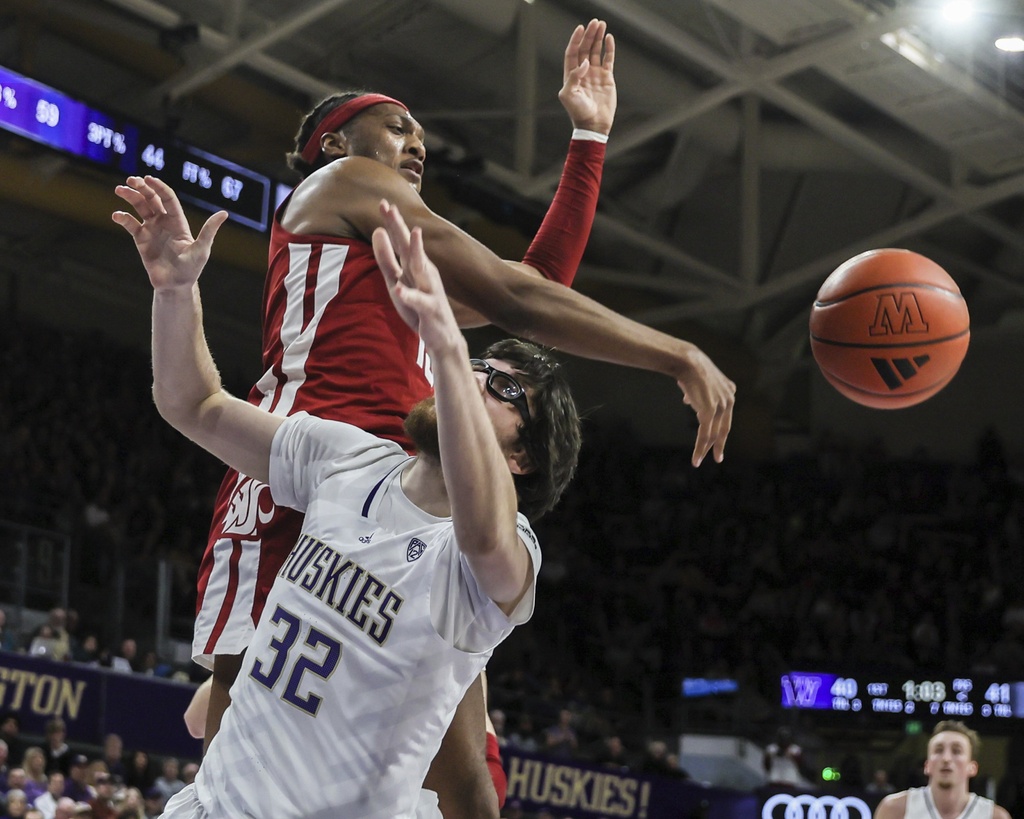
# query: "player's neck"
950,802
423,484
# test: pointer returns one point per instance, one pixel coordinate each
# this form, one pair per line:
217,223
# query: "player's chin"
413,178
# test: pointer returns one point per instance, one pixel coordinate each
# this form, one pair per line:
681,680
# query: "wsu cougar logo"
250,506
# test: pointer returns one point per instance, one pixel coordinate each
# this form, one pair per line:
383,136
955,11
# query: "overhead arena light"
1013,44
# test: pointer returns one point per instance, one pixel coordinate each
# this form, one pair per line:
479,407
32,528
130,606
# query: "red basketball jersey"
334,346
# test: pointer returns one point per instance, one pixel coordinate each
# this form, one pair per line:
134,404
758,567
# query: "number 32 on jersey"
269,671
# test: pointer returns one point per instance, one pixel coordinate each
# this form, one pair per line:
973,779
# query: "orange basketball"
889,328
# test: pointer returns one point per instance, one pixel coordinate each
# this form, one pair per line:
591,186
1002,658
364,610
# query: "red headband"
339,116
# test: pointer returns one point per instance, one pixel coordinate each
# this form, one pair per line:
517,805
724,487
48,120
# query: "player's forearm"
184,375
480,487
188,393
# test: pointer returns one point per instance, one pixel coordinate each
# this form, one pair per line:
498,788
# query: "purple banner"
572,789
145,711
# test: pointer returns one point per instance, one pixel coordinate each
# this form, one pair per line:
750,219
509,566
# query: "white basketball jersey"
920,805
373,630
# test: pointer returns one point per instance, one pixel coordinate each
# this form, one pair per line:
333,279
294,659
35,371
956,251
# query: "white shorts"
224,621
185,805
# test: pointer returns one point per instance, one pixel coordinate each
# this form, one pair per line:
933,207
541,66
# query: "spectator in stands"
33,813
523,737
57,624
560,739
89,650
103,802
10,732
126,659
140,773
153,802
8,639
44,643
17,804
77,786
47,801
4,767
188,772
782,760
66,808
655,759
880,783
34,763
169,782
113,755
58,752
131,805
72,624
611,753
15,780
674,769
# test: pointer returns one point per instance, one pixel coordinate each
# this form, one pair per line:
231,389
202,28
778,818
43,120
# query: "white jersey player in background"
409,570
949,766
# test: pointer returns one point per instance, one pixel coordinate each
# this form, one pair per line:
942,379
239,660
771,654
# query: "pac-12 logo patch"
415,548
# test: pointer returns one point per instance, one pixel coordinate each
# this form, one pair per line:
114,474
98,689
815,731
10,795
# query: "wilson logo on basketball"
897,313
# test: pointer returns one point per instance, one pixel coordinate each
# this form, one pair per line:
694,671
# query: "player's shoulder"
1000,812
893,806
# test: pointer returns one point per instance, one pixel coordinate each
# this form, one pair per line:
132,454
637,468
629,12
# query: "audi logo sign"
808,806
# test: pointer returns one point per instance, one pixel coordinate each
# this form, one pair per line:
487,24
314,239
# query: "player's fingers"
127,221
722,432
572,52
574,77
146,187
597,43
609,52
703,442
396,227
426,274
209,230
384,253
137,199
587,43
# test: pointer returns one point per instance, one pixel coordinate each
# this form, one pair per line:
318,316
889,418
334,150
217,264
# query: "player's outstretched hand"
588,83
413,281
163,236
712,396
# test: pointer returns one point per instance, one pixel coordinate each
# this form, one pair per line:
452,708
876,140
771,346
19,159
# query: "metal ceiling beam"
739,78
818,269
526,89
175,88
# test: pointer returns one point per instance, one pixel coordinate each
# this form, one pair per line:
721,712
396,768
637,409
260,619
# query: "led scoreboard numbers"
45,115
940,697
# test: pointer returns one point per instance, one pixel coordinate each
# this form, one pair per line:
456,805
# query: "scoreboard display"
887,694
49,117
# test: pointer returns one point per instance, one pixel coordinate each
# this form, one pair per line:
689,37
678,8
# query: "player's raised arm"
476,468
186,385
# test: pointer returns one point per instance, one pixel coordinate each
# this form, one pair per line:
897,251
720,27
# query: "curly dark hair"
308,126
552,436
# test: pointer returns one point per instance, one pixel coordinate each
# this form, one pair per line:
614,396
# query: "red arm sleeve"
496,770
557,249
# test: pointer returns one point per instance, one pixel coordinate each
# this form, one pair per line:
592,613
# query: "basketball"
889,328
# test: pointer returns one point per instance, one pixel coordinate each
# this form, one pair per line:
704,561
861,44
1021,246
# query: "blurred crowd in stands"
838,557
52,780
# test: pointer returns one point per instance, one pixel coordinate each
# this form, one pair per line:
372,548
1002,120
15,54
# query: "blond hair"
958,727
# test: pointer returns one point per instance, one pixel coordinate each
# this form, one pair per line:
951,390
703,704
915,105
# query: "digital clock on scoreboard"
49,117
940,697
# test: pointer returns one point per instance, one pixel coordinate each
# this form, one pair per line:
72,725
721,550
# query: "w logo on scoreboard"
800,690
